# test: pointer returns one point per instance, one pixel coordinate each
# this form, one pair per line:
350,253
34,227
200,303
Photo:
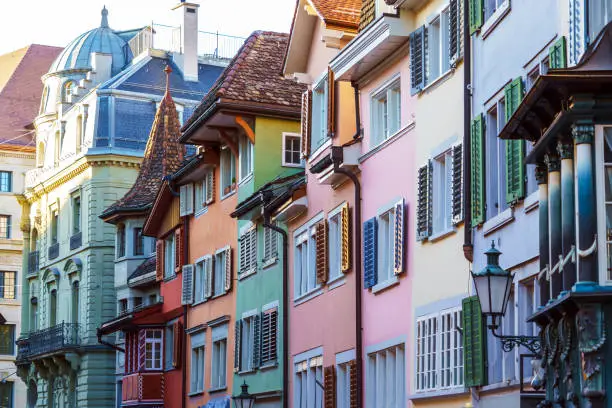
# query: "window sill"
336,282
246,372
199,302
379,287
313,156
423,395
442,234
531,202
493,21
228,195
266,263
268,366
217,389
246,179
397,135
495,223
247,274
196,394
500,385
201,212
293,165
169,278
438,81
308,296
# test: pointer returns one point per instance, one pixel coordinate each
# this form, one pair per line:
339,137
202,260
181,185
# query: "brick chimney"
187,14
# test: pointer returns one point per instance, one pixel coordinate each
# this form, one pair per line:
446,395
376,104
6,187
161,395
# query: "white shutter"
183,200
210,187
577,30
208,273
187,297
186,200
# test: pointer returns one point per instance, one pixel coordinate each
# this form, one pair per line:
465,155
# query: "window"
343,385
307,393
491,6
54,226
246,157
169,347
204,191
120,241
292,155
438,43
248,251
607,177
599,14
153,349
33,314
269,329
53,308
6,394
169,256
76,214
319,115
495,162
270,244
198,341
228,172
57,148
203,268
79,133
386,222
386,378
439,351
247,338
6,181
138,241
68,88
386,112
305,270
8,282
7,339
123,306
442,200
5,226
219,272
218,378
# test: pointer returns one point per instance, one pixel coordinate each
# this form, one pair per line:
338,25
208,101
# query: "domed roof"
77,55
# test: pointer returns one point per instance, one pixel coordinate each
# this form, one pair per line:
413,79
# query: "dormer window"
68,88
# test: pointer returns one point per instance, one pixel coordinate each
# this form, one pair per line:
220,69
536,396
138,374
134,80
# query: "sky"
57,22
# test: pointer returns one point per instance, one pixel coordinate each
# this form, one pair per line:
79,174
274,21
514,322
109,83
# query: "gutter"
468,247
107,344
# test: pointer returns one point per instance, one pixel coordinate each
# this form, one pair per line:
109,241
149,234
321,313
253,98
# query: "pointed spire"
104,22
168,70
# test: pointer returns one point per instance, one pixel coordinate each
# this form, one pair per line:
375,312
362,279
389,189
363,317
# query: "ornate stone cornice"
583,133
565,149
541,173
552,162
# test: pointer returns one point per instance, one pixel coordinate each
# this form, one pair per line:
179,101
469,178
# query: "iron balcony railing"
54,251
33,258
76,240
51,340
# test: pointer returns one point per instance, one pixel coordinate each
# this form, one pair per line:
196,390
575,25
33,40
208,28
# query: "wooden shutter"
228,269
306,116
179,246
265,337
210,187
515,149
457,184
322,263
329,382
345,231
159,260
399,238
417,58
208,277
354,388
256,341
474,341
455,30
186,200
237,346
187,294
272,334
141,350
477,176
177,329
424,201
476,10
331,103
557,54
577,24
370,253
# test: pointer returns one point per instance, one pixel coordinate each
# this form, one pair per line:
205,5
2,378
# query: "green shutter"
515,149
477,174
557,54
476,10
474,341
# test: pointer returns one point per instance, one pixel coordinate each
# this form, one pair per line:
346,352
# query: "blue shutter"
370,252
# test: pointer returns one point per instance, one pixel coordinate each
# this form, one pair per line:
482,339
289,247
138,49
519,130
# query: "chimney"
188,61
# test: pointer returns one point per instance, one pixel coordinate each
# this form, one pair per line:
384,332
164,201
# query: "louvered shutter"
577,29
179,246
177,329
345,245
370,253
557,54
208,277
424,201
354,387
265,337
243,253
253,249
476,10
186,200
237,346
477,173
272,334
159,260
228,270
210,187
417,59
474,341
399,238
329,382
322,263
454,42
256,341
457,184
187,295
515,149
306,115
331,103
141,350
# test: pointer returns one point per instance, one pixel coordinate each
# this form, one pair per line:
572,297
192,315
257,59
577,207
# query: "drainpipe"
357,134
336,157
184,345
468,248
107,344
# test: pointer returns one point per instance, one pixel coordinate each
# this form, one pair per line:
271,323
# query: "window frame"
306,234
247,326
443,59
312,369
169,345
121,241
495,171
270,245
55,223
219,268
373,386
200,280
225,155
156,356
247,263
441,193
246,156
197,377
284,162
384,124
169,256
7,230
219,338
138,246
77,217
6,181
318,136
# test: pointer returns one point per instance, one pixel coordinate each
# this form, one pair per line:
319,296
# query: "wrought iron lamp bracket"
531,343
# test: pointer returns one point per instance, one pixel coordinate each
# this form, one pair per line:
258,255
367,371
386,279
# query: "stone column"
584,133
566,152
554,221
542,176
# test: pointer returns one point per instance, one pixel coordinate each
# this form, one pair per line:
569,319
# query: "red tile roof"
342,12
163,156
254,76
21,90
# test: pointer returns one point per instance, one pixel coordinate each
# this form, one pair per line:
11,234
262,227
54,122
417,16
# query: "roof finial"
168,70
104,23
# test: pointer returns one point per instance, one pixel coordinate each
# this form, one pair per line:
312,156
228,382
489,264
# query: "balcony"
57,339
142,387
54,251
76,240
33,258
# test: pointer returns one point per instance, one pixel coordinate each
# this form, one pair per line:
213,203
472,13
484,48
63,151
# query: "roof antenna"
104,23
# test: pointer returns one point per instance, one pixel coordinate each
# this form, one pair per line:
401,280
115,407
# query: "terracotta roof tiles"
343,12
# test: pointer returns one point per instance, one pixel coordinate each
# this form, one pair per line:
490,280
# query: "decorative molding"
541,173
583,133
552,162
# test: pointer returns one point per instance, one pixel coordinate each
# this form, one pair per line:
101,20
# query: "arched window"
68,87
53,308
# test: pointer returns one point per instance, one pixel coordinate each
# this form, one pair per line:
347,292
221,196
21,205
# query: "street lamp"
493,286
244,399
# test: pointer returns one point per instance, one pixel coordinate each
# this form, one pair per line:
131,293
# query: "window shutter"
399,238
370,253
177,328
256,341
424,201
476,10
515,149
237,345
273,334
243,253
253,248
455,30
265,337
474,340
353,386
208,276
457,184
306,115
228,269
210,187
345,245
577,28
331,103
329,381
179,246
557,54
141,350
159,261
417,66
187,297
322,263
186,200
477,176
